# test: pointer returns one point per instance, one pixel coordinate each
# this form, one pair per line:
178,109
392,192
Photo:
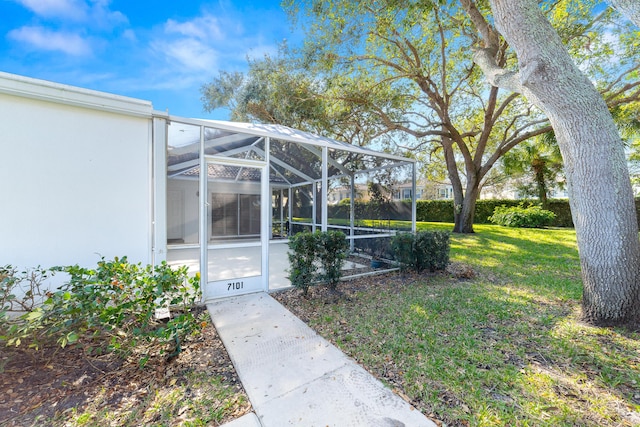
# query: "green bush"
432,250
425,250
434,210
561,208
308,250
402,248
524,217
333,248
112,308
302,254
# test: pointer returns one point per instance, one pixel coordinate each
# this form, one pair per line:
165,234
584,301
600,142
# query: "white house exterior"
75,175
86,174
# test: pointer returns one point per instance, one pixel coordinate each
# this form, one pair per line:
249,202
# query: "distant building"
430,190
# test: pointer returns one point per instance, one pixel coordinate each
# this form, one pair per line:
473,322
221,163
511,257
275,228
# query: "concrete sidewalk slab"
247,420
295,377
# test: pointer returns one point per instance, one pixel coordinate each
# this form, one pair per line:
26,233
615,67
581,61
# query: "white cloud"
45,39
189,54
184,54
101,16
70,9
205,28
95,11
129,35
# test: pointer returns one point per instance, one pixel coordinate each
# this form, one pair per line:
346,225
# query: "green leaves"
424,250
307,250
519,216
111,308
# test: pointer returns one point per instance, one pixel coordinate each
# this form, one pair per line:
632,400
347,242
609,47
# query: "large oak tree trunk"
468,210
458,194
599,188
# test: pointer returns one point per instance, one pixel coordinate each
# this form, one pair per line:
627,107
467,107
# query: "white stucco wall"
75,181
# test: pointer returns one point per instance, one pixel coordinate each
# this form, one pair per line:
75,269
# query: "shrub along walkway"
295,377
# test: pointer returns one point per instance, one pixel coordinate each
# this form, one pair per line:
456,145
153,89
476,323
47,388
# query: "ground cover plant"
495,341
111,308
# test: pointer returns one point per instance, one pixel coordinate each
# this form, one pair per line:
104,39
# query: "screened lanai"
236,191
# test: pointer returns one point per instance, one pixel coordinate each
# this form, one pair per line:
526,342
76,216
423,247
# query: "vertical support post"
352,213
281,212
413,199
314,190
265,234
325,182
290,203
159,207
204,208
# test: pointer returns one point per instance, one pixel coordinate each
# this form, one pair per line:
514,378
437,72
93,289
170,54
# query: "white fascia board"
27,87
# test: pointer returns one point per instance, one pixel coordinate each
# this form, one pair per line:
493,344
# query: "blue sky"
161,51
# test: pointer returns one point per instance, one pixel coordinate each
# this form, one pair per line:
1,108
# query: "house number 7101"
234,286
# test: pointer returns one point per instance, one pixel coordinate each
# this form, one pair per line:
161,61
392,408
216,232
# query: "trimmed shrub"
333,248
442,210
432,250
308,250
561,208
434,210
425,250
524,217
402,248
302,254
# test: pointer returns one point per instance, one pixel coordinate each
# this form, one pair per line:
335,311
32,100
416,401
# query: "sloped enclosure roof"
295,156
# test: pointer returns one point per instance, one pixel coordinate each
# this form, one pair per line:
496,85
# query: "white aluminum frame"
265,217
317,145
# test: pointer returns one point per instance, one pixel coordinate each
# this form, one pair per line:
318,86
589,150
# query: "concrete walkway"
295,377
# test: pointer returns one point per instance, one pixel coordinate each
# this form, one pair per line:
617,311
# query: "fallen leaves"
43,387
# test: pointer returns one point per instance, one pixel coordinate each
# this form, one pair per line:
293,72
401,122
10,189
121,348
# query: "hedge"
442,210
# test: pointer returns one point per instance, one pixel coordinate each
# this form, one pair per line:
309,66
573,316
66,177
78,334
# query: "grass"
504,349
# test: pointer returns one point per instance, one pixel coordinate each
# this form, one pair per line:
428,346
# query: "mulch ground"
47,384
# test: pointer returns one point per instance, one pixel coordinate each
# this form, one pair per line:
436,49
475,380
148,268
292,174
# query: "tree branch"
496,75
629,8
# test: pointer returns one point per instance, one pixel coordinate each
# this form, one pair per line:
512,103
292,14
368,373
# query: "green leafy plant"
402,248
20,291
332,251
424,250
302,254
111,308
432,250
524,217
308,251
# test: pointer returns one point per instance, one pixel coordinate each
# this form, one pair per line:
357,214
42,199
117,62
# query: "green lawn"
505,348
